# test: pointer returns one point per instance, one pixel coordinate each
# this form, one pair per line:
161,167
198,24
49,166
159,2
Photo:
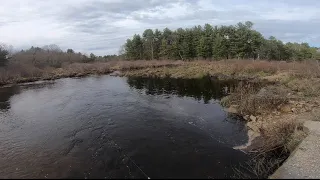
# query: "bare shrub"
252,99
282,135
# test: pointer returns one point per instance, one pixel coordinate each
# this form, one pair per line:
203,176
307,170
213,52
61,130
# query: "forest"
239,41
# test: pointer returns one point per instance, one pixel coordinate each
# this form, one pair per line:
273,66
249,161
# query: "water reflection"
201,89
6,94
38,85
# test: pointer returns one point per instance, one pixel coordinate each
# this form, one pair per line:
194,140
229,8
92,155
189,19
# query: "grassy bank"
237,68
18,73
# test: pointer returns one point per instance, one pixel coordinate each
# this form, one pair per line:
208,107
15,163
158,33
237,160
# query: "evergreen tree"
3,56
225,42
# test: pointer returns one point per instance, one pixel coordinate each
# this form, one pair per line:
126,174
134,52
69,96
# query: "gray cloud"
102,26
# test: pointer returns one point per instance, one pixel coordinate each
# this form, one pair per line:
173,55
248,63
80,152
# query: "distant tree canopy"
225,42
71,51
3,56
48,55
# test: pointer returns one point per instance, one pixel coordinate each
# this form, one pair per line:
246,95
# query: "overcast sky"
102,26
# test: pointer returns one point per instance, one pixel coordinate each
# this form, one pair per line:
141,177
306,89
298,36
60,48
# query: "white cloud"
205,5
128,22
286,13
102,26
172,11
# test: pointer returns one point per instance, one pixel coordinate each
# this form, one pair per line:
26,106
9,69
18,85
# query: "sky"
102,26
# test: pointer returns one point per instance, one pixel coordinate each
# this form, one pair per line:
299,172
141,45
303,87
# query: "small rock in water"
115,73
191,123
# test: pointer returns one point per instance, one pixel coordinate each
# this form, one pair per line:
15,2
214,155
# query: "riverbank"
18,73
275,98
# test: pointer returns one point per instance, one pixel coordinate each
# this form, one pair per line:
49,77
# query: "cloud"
102,26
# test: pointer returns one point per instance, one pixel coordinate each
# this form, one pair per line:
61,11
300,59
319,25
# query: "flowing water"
113,127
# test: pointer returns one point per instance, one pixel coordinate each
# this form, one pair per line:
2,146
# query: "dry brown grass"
258,168
307,68
307,86
235,68
133,65
256,98
278,139
282,135
18,72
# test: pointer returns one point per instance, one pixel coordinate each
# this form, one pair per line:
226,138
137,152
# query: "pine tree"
3,56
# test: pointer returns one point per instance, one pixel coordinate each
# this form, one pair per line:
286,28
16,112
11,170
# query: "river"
116,127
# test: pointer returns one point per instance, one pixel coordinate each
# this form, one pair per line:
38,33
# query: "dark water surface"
112,127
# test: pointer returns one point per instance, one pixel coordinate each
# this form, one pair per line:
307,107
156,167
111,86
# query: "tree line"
239,41
49,55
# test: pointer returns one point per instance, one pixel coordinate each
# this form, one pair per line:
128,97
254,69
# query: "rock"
316,103
253,126
233,109
285,108
253,118
294,110
308,108
235,106
303,102
262,92
292,102
258,118
115,73
246,117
